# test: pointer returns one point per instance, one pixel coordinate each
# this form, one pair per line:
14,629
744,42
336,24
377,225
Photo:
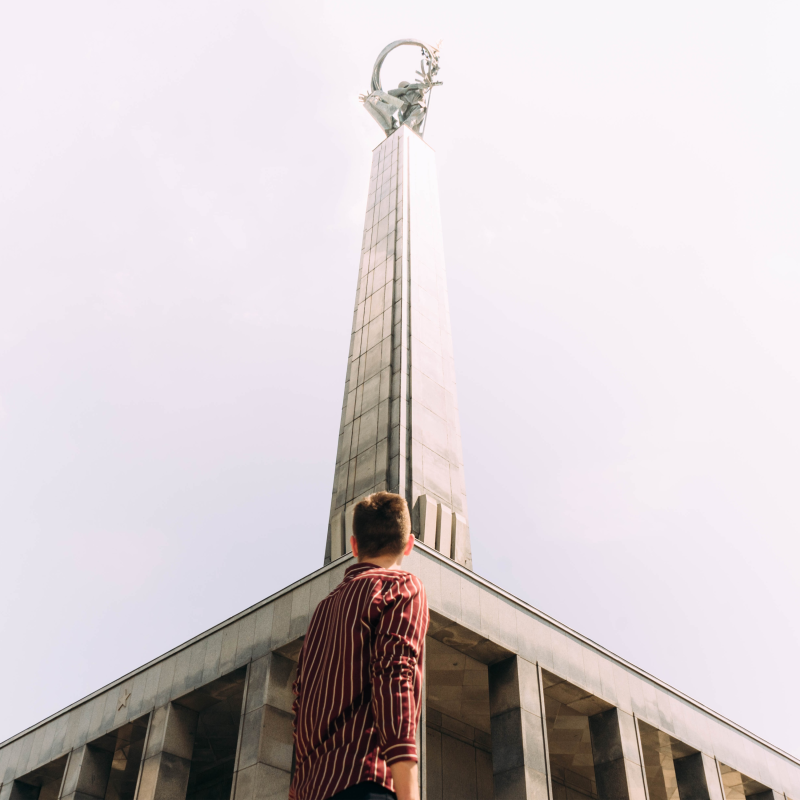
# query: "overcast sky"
182,190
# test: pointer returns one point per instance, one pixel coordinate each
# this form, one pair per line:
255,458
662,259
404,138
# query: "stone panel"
168,753
617,766
697,778
264,762
519,757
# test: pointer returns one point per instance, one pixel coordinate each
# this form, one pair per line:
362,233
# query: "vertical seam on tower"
406,310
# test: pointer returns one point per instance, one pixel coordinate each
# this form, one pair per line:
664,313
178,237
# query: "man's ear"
354,546
409,545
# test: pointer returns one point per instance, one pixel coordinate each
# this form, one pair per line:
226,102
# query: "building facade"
516,705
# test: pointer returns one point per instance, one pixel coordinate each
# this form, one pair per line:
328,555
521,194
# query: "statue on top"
408,103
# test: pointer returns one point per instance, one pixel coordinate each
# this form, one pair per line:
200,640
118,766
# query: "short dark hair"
381,525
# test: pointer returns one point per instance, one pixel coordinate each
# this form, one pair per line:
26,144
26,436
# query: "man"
359,677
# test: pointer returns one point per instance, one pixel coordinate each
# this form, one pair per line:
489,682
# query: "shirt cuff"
400,751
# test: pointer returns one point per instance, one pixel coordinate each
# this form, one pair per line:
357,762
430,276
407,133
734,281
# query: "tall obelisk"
399,429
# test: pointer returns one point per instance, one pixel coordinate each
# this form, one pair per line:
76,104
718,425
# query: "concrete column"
17,790
428,514
519,756
615,750
87,773
264,766
697,778
399,427
168,754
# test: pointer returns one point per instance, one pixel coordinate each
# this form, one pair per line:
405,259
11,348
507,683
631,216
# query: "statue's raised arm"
408,103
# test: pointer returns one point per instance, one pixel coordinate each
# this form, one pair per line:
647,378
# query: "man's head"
382,527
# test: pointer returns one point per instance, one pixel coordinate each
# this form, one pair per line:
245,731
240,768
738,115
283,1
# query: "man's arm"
406,780
396,680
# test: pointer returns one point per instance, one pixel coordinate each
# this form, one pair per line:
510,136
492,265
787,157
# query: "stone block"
461,548
520,783
282,619
165,677
483,770
506,632
98,706
262,637
428,512
470,604
276,742
282,673
504,686
433,765
451,593
270,783
19,790
427,361
87,772
227,655
266,746
615,752
430,572
365,469
300,610
368,430
612,781
59,745
164,777
211,663
768,794
697,778
179,681
606,738
436,474
490,612
533,639
172,730
444,530
518,747
459,772
609,689
46,747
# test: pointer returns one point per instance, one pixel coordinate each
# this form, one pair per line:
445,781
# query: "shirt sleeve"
295,712
296,686
396,667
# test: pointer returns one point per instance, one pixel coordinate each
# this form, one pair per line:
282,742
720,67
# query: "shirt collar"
355,569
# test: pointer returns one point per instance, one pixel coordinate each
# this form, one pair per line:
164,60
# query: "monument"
399,430
516,705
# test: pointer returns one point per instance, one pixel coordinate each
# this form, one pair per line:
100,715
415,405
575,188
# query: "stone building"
516,705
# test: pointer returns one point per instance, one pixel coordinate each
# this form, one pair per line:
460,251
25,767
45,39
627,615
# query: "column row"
522,764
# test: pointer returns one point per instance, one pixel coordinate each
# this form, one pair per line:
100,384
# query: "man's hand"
406,780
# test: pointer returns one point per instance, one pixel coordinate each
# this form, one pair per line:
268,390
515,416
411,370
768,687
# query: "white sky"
182,188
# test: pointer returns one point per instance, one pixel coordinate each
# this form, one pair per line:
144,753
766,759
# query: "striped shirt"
359,682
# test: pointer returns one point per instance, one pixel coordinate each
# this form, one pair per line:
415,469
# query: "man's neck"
384,562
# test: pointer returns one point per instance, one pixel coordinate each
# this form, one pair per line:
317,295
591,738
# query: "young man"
359,677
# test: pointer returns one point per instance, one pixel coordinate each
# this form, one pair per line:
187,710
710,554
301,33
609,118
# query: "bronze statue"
408,103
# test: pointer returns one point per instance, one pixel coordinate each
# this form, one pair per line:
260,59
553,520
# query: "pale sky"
182,189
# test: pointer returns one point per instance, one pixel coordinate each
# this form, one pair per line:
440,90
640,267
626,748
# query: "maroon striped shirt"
359,682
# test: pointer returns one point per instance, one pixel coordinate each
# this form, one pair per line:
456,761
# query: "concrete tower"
399,430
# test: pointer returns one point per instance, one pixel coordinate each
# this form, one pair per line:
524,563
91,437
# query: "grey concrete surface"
488,628
399,428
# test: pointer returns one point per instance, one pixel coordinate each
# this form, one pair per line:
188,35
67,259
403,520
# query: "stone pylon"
400,430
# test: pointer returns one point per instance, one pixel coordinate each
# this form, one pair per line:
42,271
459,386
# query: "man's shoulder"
382,578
